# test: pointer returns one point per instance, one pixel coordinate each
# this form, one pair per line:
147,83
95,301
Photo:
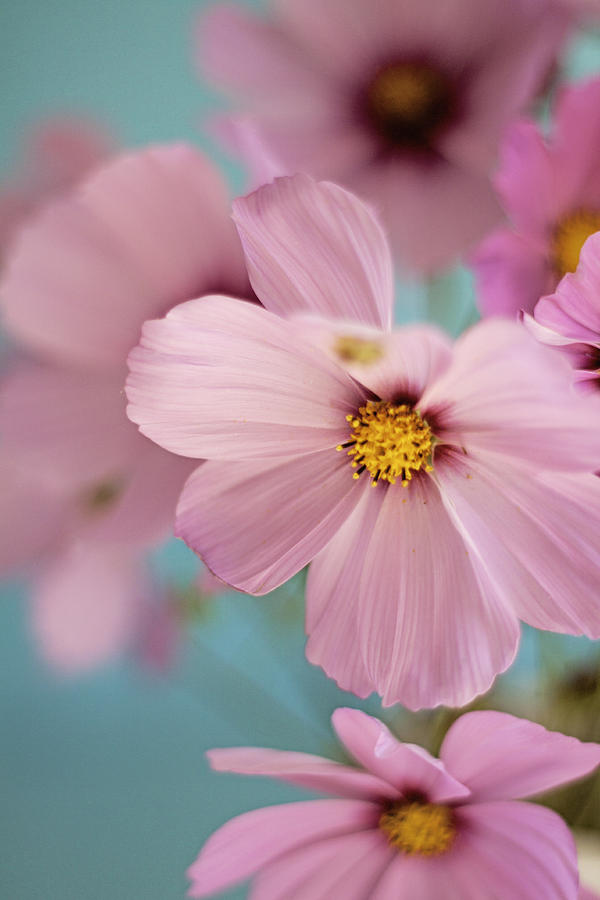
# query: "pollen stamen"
390,441
418,828
569,237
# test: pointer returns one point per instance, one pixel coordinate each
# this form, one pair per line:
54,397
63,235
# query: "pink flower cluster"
440,492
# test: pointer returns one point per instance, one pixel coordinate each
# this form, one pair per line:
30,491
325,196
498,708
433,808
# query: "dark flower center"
408,103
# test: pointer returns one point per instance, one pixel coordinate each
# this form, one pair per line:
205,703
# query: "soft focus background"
105,792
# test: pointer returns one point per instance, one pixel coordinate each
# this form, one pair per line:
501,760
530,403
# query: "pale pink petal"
511,274
63,150
403,363
143,511
587,894
430,629
431,878
313,247
517,850
247,843
220,378
405,766
502,757
574,309
347,866
535,537
302,769
145,232
508,394
528,182
34,517
86,605
433,212
255,524
68,425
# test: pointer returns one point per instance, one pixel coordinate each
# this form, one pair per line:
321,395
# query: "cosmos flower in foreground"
406,825
569,319
84,496
443,493
550,189
405,103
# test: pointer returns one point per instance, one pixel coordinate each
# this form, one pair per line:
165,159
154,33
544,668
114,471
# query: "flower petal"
221,378
256,524
86,604
508,394
347,866
430,629
511,274
147,231
315,773
247,843
402,765
574,309
313,247
535,537
69,426
502,757
518,850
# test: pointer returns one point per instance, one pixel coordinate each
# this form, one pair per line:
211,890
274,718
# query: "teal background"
105,794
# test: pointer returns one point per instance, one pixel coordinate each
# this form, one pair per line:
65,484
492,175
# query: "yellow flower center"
418,828
407,102
357,350
569,237
390,441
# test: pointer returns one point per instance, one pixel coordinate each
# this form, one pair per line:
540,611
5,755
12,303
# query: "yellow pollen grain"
405,90
418,828
569,236
352,349
389,441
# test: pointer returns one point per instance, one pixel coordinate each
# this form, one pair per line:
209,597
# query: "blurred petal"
86,604
502,757
247,843
511,274
302,769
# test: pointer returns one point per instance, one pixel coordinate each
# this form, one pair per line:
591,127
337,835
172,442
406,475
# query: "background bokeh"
105,792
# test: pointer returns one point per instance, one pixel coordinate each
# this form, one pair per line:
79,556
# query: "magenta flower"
551,191
406,825
92,495
442,493
404,103
569,319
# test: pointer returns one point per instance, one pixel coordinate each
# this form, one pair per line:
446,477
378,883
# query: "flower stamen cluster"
570,234
390,441
418,828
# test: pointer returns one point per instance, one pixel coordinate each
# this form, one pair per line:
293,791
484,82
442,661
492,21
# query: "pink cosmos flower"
404,103
57,154
569,319
551,191
406,825
92,495
442,493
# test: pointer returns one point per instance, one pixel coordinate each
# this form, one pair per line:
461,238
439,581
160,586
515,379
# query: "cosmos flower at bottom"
406,825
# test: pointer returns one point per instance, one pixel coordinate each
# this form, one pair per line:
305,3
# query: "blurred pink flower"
569,319
404,103
406,825
138,236
551,191
415,591
57,154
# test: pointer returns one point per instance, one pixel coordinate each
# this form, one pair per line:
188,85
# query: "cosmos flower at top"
442,493
404,103
403,825
83,496
550,188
